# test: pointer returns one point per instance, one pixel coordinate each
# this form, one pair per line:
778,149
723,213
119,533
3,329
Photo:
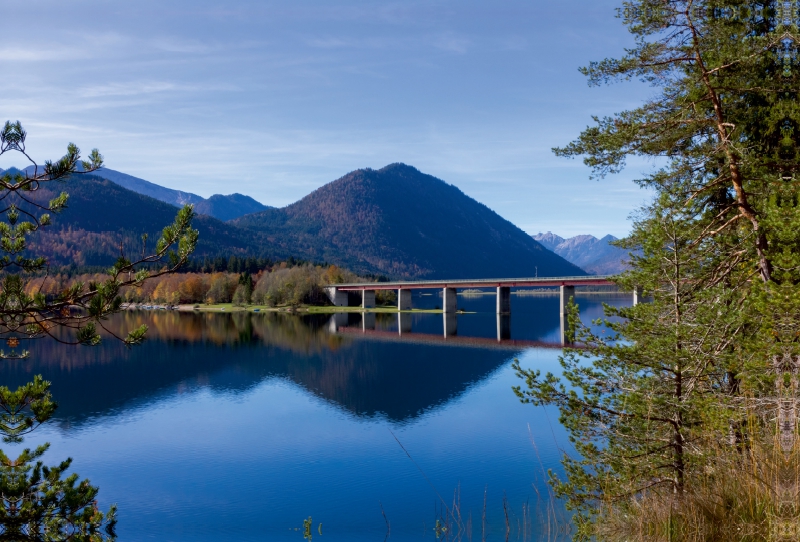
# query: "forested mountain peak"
401,222
229,207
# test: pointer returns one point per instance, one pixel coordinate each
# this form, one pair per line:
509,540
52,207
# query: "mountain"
402,223
146,188
596,256
101,215
229,207
549,240
219,206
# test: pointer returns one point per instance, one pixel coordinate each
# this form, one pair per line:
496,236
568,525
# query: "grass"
747,495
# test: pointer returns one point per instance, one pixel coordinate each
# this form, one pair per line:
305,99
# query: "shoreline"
301,309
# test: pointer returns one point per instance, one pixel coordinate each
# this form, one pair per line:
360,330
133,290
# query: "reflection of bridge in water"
341,294
452,340
339,323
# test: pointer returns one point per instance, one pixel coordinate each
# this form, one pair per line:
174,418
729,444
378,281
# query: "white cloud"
126,89
41,53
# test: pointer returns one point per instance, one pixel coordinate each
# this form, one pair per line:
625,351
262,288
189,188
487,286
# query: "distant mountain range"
396,222
596,256
219,206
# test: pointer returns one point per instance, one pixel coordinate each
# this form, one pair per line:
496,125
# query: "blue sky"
275,98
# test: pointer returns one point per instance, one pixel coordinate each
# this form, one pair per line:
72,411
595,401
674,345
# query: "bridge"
339,294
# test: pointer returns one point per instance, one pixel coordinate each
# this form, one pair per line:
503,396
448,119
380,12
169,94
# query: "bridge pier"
404,300
367,299
503,300
450,324
638,296
567,294
449,303
503,327
337,296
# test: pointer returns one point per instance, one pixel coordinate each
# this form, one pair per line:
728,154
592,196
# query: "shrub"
292,286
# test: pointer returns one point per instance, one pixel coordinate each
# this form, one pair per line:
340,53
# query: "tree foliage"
718,253
40,502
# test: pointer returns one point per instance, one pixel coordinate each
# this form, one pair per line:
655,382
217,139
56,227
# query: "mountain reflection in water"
234,352
238,426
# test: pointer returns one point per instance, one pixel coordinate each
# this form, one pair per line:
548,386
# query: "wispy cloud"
277,98
136,88
40,53
127,89
451,43
174,45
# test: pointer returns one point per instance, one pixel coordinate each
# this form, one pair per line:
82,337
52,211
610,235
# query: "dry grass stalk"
749,494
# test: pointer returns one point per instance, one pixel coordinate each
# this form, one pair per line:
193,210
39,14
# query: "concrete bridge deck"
588,280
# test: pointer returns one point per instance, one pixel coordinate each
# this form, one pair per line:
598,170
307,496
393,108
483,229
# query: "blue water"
239,426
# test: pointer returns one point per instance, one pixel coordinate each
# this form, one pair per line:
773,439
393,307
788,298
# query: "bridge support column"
450,324
367,299
449,303
567,295
637,296
503,300
404,300
503,327
337,296
403,323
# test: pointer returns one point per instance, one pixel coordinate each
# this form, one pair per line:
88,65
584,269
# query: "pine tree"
39,502
718,246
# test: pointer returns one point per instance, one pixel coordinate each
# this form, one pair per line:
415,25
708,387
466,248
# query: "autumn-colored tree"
193,289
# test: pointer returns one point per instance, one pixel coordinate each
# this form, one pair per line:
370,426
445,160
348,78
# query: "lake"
240,426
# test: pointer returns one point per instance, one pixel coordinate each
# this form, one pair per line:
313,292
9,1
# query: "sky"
274,99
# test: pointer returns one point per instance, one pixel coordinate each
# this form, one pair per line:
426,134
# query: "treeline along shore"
247,282
243,283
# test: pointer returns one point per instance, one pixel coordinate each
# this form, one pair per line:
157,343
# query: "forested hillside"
400,222
101,215
221,207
